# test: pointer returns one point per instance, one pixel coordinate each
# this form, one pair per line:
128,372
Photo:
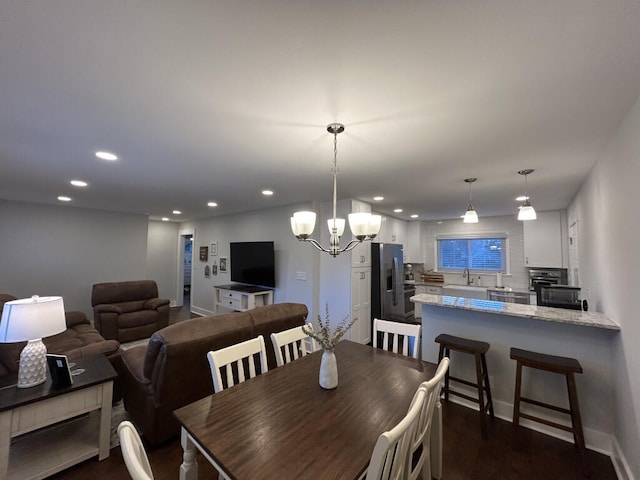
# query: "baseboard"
594,439
201,311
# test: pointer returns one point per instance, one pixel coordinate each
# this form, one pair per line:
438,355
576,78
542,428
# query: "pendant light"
470,216
526,212
364,226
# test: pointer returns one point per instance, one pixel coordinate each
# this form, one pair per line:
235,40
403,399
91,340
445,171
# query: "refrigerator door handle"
394,271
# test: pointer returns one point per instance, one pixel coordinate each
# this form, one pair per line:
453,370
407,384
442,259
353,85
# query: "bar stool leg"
516,396
488,385
479,381
576,421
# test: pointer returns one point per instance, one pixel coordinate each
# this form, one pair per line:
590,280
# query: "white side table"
53,429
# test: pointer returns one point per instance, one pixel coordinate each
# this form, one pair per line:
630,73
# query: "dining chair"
133,452
419,461
292,344
389,457
410,332
235,356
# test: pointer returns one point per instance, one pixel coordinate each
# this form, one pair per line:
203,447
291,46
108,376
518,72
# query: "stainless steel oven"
409,306
547,276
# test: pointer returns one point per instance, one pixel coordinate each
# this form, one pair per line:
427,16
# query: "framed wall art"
214,249
204,253
223,264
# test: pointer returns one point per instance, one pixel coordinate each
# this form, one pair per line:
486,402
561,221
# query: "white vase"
328,377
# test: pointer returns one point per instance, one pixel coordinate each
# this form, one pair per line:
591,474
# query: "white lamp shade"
470,216
360,224
294,227
339,225
32,318
305,222
527,212
374,225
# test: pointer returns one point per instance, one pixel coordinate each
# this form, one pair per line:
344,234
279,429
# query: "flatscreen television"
253,263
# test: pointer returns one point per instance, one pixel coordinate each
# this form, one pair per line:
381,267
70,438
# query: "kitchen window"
481,252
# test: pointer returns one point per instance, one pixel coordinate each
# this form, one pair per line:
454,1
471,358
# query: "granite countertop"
548,314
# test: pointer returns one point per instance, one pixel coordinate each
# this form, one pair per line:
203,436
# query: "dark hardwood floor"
466,455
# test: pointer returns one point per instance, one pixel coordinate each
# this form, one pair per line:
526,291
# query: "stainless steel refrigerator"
387,282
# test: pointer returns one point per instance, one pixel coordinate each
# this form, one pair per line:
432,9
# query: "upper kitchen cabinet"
544,240
392,230
414,248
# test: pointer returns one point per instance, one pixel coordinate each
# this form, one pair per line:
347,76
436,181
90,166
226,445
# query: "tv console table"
240,297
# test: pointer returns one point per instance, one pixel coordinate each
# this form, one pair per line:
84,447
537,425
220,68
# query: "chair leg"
444,351
479,381
576,421
487,384
516,395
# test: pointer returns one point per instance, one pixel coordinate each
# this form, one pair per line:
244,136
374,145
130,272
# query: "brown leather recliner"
127,311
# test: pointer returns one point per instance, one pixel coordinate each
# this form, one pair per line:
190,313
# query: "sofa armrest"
76,318
107,308
155,303
108,347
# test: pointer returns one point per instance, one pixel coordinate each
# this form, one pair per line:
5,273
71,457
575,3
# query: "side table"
45,430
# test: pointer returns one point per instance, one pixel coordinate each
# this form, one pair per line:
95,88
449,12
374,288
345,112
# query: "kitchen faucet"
467,274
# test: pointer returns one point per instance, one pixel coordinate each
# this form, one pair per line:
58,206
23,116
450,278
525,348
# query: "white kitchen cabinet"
392,230
414,248
543,240
361,304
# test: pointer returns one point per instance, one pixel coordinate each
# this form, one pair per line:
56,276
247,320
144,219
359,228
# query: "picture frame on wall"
214,269
214,249
204,253
206,270
223,264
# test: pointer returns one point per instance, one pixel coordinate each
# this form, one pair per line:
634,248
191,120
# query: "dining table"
282,424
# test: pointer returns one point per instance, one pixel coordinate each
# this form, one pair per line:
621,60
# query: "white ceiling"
215,100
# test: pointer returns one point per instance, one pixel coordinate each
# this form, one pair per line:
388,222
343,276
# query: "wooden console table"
240,297
78,420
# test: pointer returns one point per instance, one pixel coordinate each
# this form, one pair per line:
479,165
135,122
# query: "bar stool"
550,363
478,350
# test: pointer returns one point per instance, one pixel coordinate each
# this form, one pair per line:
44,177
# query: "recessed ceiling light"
267,193
522,198
177,212
398,210
212,204
415,215
62,198
106,156
78,183
378,198
440,222
165,219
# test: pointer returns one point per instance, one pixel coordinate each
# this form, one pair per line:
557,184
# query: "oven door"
409,306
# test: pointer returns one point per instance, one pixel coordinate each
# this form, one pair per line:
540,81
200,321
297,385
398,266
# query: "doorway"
184,282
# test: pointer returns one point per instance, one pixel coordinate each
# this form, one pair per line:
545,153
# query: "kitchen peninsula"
586,336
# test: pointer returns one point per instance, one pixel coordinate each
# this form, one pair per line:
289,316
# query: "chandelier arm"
351,245
315,244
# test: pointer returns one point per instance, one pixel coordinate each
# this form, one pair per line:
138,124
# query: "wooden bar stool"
550,363
478,350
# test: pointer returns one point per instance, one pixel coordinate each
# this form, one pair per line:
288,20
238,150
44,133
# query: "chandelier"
470,216
364,226
526,211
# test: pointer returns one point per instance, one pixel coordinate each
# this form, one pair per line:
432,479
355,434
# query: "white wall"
605,209
162,246
52,250
265,225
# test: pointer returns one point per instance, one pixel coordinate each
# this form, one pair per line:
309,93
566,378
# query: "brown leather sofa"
128,311
80,339
172,370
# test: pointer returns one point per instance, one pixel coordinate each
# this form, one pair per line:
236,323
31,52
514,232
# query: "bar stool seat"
551,363
478,349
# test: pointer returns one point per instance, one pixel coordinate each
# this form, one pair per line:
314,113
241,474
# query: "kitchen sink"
466,291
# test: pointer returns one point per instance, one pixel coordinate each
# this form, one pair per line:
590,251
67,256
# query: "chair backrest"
410,332
235,356
133,453
292,344
419,459
389,457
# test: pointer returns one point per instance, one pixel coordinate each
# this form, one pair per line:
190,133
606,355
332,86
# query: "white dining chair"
410,332
292,344
389,457
234,355
419,461
133,452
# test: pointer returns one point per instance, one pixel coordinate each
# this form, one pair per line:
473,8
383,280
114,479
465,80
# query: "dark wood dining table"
283,425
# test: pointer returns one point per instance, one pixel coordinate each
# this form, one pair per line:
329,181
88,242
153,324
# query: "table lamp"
31,319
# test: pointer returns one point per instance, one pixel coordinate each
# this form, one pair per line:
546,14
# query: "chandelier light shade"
364,226
31,319
470,216
526,212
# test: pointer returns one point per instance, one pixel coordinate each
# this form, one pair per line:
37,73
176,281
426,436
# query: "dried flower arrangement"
326,337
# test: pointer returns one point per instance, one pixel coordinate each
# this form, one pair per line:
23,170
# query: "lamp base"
33,364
